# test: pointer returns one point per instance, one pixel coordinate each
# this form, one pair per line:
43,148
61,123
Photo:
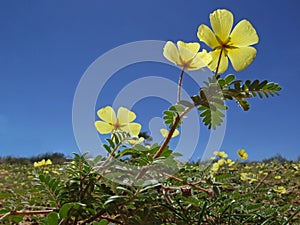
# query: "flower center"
117,126
225,44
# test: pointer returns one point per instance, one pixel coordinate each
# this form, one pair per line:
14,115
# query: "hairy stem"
173,128
261,182
219,62
167,140
180,85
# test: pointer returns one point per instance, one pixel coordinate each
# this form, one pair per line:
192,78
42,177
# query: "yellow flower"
248,177
221,162
135,140
55,172
277,177
247,167
215,167
234,45
212,158
243,154
229,162
48,162
220,154
111,122
295,167
164,132
280,190
186,55
42,163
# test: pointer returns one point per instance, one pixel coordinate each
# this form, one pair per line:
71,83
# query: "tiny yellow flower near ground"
111,122
243,154
42,163
164,132
249,177
280,190
55,172
278,177
215,167
229,162
295,167
220,154
48,162
221,162
233,44
135,140
247,167
186,55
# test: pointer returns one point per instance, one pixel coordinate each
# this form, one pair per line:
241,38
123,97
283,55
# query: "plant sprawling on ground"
75,193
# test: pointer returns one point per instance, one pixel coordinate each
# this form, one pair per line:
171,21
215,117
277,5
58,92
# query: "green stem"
111,155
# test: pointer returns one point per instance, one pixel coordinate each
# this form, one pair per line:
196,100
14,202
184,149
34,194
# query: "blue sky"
46,47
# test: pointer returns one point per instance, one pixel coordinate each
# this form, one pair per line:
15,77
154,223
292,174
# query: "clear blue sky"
46,46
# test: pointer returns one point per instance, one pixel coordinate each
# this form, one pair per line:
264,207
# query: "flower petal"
132,128
215,58
48,162
107,114
164,132
176,133
103,127
241,57
171,52
125,116
243,34
202,59
187,51
206,35
221,21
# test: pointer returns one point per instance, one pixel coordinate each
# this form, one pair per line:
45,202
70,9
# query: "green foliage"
212,97
115,142
86,197
49,185
236,89
211,103
171,114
